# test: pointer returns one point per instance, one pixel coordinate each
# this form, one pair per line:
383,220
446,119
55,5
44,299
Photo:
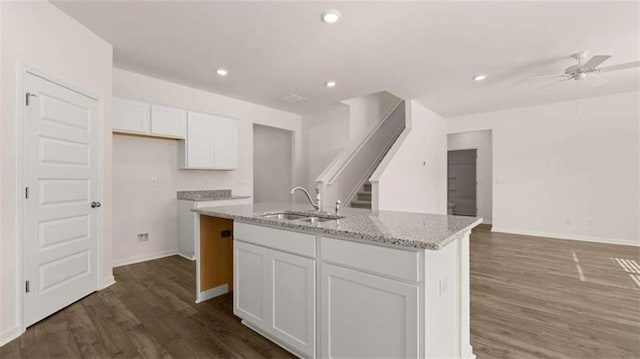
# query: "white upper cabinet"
211,143
199,143
151,120
131,116
225,139
168,121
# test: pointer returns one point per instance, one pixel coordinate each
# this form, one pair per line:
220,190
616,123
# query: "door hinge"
28,95
26,192
26,286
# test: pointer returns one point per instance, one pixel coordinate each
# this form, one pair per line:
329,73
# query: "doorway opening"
461,196
462,182
272,164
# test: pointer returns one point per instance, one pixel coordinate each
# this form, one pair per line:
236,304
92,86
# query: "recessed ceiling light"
222,72
330,16
331,84
479,77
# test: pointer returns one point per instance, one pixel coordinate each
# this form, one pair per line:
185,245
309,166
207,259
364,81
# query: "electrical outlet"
589,222
154,181
143,237
568,221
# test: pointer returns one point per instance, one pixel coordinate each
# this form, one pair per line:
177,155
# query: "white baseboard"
144,257
212,293
565,236
187,257
108,282
9,335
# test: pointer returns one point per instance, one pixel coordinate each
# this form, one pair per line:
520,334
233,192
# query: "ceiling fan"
586,70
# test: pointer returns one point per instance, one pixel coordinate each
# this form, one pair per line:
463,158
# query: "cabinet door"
168,121
366,316
199,143
130,116
225,143
251,285
293,300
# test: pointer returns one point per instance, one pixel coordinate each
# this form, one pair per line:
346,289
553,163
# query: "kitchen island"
361,284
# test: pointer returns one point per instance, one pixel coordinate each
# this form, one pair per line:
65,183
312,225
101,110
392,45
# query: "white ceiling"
421,50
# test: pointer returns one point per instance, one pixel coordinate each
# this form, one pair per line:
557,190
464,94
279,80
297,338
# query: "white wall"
481,141
366,112
326,134
413,175
139,207
562,174
40,35
272,165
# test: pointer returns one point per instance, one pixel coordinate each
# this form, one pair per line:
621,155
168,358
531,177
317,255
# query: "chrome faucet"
316,204
338,207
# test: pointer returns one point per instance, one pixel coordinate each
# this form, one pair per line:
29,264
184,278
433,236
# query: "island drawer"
287,241
382,260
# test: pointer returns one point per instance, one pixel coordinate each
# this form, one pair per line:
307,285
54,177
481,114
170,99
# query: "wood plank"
528,300
216,253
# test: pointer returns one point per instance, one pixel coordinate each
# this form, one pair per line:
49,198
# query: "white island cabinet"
275,291
371,299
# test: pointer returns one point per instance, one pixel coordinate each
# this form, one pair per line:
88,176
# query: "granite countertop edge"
310,228
213,198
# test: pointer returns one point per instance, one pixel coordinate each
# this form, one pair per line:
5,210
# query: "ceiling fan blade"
546,77
595,61
595,80
549,84
628,65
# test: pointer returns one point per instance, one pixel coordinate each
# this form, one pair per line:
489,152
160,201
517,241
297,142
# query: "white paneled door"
61,204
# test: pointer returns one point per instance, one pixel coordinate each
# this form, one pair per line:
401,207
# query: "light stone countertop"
405,229
208,195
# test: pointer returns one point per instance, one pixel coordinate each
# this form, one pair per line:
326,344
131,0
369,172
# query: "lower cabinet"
366,316
275,292
250,272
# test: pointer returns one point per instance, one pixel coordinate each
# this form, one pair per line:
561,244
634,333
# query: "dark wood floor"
531,298
548,298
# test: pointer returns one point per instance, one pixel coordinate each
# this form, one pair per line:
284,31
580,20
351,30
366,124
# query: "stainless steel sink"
288,216
317,219
303,217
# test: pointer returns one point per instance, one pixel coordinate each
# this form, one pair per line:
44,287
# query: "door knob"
95,204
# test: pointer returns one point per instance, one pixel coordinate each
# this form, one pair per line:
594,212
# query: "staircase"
346,178
363,197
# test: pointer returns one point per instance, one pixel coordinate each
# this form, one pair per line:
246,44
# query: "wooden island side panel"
216,253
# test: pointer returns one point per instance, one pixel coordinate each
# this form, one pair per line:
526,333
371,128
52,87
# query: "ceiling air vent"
293,98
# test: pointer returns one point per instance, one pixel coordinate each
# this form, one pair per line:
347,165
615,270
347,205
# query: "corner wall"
412,177
326,135
40,35
140,207
564,173
272,164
